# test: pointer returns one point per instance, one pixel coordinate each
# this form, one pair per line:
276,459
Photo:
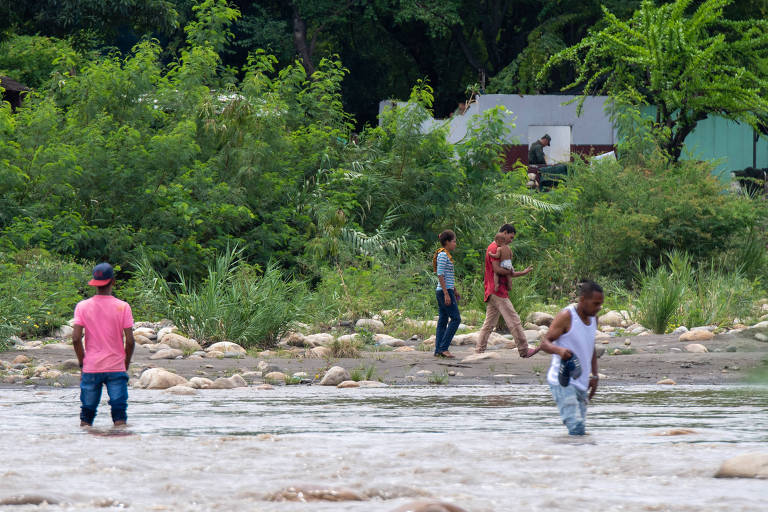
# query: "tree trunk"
300,41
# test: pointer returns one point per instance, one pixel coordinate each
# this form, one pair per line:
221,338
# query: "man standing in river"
571,339
497,300
105,358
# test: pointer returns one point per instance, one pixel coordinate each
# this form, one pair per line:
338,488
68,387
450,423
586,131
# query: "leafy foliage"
687,66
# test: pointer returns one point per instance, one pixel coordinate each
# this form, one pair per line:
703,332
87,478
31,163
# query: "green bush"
39,292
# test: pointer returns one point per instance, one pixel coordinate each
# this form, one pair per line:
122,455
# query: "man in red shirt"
498,303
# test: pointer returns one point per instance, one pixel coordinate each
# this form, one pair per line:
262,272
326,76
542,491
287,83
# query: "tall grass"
232,303
660,298
683,294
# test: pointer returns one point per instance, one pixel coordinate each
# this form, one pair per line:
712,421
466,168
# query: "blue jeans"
90,394
572,404
445,329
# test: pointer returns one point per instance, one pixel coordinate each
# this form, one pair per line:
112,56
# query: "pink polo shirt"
104,317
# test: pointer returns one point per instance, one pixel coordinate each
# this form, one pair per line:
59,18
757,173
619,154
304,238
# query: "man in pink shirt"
106,357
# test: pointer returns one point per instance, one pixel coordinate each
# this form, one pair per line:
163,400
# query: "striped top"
445,269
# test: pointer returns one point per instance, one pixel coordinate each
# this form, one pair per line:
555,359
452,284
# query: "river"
484,448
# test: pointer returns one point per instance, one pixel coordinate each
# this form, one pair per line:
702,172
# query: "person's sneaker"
570,369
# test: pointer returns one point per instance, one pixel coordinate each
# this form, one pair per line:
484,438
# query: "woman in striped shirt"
447,303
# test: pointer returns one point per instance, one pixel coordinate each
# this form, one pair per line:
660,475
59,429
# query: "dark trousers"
446,329
90,394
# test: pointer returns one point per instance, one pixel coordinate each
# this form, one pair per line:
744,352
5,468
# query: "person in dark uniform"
536,151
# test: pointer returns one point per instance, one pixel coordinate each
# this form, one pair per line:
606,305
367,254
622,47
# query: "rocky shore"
368,357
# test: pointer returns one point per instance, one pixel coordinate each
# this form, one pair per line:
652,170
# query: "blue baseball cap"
102,275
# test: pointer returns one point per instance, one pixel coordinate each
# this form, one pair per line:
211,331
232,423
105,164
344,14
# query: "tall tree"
687,66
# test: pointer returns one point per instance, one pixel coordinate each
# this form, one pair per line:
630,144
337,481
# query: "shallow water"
484,448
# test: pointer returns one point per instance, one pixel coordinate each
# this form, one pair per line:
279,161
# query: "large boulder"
612,318
369,324
540,318
335,376
159,378
178,341
696,335
748,465
226,346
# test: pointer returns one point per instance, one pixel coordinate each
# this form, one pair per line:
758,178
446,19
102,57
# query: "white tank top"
580,339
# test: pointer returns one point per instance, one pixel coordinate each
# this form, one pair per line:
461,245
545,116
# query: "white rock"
200,383
710,328
296,339
748,465
226,346
235,381
612,318
141,340
275,376
696,335
166,330
472,358
335,376
761,337
178,341
371,384
64,331
760,325
347,338
146,332
320,352
319,339
680,330
181,390
540,318
299,375
348,384
424,372
157,346
370,324
159,378
167,353
696,348
389,341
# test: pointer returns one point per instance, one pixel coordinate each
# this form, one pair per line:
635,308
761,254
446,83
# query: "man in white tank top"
572,333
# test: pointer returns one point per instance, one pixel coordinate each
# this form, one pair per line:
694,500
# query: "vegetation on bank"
236,206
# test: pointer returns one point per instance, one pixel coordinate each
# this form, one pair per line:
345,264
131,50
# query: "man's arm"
129,345
77,343
593,379
498,269
560,325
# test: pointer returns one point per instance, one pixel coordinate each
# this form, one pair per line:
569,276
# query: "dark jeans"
445,329
90,394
